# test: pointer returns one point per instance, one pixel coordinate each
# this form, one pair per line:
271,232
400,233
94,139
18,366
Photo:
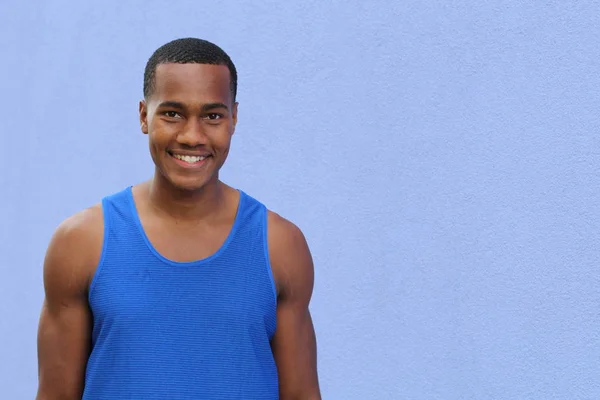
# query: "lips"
190,159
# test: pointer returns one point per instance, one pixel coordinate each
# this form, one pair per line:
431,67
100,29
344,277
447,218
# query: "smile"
187,160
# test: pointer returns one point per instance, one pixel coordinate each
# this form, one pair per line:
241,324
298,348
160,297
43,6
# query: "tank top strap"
251,234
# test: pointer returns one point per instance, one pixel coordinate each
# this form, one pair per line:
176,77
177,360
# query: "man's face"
189,118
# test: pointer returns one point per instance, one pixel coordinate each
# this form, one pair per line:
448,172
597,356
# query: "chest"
185,242
216,299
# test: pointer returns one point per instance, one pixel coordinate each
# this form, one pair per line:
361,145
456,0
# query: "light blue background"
442,159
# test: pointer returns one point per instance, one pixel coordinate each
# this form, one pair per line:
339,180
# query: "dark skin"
187,213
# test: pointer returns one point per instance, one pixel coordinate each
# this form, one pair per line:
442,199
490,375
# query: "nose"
193,134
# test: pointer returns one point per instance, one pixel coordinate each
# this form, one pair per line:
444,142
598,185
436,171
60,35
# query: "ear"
144,116
235,114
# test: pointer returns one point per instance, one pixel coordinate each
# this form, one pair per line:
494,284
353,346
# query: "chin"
188,181
189,184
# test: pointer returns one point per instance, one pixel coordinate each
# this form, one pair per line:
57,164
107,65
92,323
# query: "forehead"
192,82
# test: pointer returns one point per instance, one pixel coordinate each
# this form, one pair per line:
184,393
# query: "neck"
188,205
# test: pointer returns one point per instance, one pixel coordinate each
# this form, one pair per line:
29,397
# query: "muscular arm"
294,344
64,331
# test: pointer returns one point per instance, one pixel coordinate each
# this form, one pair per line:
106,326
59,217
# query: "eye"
214,116
172,114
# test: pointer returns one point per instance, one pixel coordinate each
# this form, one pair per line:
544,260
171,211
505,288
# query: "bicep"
64,331
63,347
294,345
294,348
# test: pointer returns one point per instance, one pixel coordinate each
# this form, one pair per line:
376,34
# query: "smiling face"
189,117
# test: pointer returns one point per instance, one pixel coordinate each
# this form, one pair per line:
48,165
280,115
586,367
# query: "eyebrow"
171,104
212,106
180,106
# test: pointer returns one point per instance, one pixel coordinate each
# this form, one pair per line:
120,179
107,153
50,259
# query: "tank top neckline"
142,232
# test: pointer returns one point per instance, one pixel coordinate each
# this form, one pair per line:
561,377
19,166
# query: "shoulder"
290,256
82,228
74,249
283,232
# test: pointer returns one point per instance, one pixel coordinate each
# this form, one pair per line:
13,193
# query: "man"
180,287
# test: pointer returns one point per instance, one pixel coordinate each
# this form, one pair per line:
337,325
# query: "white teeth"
189,159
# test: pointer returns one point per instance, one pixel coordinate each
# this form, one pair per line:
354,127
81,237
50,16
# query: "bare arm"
294,344
64,331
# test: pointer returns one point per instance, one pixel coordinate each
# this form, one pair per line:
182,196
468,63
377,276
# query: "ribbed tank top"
182,330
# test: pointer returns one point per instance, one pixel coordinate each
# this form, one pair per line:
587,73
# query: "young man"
180,287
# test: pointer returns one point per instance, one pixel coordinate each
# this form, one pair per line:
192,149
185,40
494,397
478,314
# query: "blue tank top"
172,330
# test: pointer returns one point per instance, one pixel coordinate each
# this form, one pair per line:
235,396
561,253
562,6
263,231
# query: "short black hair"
188,50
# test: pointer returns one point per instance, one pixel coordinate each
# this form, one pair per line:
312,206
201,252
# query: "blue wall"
441,157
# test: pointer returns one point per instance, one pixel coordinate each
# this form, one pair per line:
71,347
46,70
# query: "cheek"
223,143
154,149
160,133
154,140
158,140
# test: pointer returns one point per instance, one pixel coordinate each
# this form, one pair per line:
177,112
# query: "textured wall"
441,157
